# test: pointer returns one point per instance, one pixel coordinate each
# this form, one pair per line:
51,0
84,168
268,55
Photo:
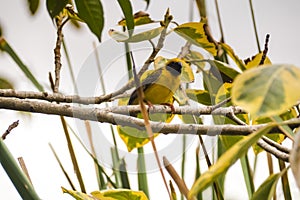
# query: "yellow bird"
160,85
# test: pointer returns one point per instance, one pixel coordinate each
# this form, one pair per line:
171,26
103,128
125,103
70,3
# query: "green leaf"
4,46
234,57
119,194
248,175
226,72
54,7
226,160
91,11
127,11
200,96
267,91
33,5
198,34
134,137
139,37
15,174
5,84
267,189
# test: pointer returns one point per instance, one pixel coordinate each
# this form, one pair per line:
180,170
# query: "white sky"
33,38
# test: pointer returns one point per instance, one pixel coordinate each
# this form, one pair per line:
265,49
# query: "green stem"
15,174
254,25
142,175
183,160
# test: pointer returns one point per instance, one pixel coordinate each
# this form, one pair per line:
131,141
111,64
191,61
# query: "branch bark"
105,116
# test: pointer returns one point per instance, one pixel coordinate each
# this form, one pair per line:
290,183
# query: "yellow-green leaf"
198,34
267,189
223,93
267,91
139,37
79,195
200,96
180,97
69,11
5,84
279,138
187,75
222,69
234,57
134,137
226,160
140,18
119,194
255,60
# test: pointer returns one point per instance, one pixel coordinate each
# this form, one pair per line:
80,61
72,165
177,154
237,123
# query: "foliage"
264,93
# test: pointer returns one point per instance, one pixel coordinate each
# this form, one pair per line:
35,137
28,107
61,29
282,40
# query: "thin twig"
222,103
11,127
276,145
57,53
264,56
278,154
62,167
234,118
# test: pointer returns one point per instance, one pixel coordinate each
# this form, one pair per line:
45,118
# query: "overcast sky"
33,38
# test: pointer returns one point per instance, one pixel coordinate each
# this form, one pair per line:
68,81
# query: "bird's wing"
149,80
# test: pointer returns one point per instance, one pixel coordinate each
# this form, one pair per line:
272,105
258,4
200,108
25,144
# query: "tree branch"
102,115
60,98
278,154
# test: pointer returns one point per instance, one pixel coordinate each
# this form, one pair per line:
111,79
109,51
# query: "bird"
160,85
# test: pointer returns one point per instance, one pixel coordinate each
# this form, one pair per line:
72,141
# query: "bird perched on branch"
160,85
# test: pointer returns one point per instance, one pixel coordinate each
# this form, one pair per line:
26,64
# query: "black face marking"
174,68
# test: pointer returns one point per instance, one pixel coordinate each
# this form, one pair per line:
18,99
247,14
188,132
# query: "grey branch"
105,116
273,150
57,97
